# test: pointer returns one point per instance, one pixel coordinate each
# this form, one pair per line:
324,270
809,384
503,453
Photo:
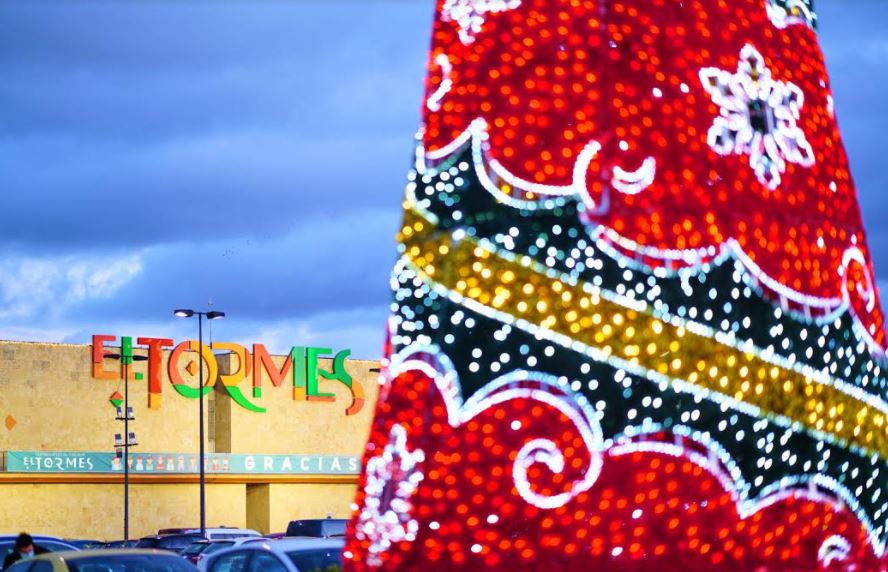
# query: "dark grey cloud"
331,262
187,115
67,194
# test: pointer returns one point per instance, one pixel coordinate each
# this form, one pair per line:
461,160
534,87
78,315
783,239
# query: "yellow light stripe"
636,337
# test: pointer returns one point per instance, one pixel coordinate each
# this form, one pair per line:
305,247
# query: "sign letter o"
212,366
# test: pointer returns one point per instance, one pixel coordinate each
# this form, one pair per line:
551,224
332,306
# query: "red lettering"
155,360
262,361
98,356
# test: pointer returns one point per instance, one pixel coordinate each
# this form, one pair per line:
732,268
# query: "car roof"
284,545
305,543
74,555
209,529
228,529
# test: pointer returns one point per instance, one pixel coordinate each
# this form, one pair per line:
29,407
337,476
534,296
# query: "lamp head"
182,313
214,315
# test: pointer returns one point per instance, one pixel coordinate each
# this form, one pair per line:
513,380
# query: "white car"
200,549
284,555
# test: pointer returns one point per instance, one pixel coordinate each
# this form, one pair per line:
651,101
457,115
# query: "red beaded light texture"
486,455
550,76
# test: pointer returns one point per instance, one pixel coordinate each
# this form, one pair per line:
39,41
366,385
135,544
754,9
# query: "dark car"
105,561
169,531
86,544
317,527
172,542
114,544
203,548
41,544
193,551
284,555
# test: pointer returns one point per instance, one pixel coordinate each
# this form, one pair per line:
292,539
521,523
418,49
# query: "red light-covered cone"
636,323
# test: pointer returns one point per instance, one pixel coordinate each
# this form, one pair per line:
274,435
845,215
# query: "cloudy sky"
251,155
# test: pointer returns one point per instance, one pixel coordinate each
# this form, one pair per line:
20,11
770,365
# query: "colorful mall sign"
179,463
301,368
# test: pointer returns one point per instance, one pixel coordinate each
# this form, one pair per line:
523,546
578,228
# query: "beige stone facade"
50,401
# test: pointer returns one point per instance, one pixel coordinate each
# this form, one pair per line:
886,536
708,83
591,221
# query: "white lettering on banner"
164,463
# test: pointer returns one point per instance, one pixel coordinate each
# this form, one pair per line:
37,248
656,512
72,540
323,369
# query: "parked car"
41,544
172,542
317,527
86,544
285,555
113,544
199,550
212,533
104,560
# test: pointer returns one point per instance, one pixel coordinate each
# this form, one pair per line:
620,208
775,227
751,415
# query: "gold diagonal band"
583,314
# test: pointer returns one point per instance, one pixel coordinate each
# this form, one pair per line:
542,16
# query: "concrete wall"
291,502
48,393
50,402
96,510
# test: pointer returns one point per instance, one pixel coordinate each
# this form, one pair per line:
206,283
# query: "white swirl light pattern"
758,117
633,182
469,15
392,479
492,173
536,386
834,549
434,100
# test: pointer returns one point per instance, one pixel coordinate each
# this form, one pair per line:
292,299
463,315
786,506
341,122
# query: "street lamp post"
126,357
211,315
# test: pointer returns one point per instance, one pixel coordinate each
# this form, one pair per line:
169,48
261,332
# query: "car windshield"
150,542
87,544
216,547
129,563
334,527
195,548
177,542
41,544
318,560
316,528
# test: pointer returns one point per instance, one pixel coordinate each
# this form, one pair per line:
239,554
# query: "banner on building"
179,463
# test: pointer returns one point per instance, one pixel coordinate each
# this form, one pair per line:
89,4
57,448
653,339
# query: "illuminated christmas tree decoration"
392,478
758,117
470,14
634,321
434,100
789,12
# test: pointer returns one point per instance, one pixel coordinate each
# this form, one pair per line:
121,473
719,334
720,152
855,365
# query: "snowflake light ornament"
470,14
758,118
392,479
785,13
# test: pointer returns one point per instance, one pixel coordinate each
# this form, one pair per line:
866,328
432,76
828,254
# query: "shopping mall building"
284,434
